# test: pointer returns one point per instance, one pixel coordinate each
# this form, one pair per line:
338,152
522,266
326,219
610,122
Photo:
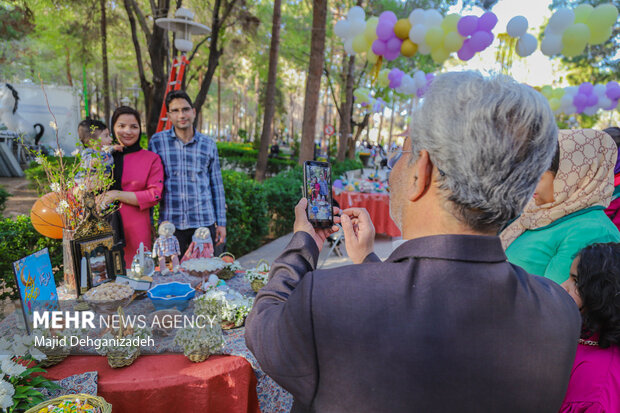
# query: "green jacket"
549,251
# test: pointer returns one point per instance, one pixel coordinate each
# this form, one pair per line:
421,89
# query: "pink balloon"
480,41
385,30
391,55
466,52
389,16
467,25
379,47
487,21
394,44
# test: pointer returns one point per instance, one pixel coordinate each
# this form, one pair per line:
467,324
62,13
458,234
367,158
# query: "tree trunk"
394,105
68,64
313,83
256,107
270,95
380,126
104,56
347,111
219,104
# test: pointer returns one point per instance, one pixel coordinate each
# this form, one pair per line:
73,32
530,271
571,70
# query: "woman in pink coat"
141,175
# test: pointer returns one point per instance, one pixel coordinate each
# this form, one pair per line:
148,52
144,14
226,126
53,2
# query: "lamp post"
184,26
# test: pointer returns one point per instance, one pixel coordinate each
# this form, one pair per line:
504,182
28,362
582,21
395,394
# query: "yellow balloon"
555,104
382,79
607,14
558,93
372,58
370,32
573,50
452,42
599,34
576,36
582,12
439,55
450,22
401,28
408,48
359,44
547,91
434,37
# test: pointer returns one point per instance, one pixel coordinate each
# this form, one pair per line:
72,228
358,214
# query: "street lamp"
184,26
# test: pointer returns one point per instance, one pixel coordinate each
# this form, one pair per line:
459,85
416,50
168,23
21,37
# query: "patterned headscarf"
584,179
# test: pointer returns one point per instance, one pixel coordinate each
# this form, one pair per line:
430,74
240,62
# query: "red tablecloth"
170,383
378,206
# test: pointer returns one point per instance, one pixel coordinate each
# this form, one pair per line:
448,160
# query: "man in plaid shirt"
193,190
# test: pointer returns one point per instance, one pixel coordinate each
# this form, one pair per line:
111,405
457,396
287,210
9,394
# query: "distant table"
170,383
378,206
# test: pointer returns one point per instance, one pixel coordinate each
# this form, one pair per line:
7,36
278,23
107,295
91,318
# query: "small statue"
167,245
201,246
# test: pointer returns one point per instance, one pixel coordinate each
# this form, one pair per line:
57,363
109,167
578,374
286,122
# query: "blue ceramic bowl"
174,294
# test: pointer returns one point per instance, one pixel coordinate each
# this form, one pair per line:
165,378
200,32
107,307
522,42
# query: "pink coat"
143,174
613,210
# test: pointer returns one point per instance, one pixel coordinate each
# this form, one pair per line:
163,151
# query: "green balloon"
558,93
554,103
606,13
599,34
576,36
434,37
547,91
582,12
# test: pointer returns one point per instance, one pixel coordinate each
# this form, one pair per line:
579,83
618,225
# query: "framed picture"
97,260
36,285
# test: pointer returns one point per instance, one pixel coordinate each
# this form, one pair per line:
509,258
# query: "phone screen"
318,192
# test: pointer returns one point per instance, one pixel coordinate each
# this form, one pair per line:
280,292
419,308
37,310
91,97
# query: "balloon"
385,30
604,102
388,16
44,217
590,111
359,44
586,88
338,184
517,26
393,45
391,55
348,46
580,100
575,38
401,29
554,103
417,34
396,77
547,91
434,37
432,18
551,44
599,34
467,25
408,48
423,48
371,57
572,51
487,21
466,52
561,19
526,45
341,28
417,17
450,22
357,26
356,13
452,42
582,12
607,14
613,90
592,100
419,79
370,32
558,93
599,90
439,55
379,47
571,90
480,40
383,79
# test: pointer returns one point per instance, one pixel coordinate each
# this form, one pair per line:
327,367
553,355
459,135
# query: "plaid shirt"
193,190
166,247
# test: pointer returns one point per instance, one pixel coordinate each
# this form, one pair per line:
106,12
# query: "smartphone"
318,192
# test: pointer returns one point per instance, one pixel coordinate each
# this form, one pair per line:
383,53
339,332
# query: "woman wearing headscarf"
566,213
141,176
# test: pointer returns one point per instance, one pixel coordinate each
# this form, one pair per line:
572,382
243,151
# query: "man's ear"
423,176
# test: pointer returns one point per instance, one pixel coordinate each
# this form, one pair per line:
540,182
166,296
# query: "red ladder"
175,80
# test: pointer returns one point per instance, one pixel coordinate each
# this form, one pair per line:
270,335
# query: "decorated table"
377,205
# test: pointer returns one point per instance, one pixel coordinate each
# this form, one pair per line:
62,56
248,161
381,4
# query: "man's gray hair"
492,137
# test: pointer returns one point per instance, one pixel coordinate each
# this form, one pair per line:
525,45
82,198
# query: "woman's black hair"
614,132
125,110
598,283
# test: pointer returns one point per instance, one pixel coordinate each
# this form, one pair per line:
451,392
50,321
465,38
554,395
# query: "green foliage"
283,191
244,157
38,178
246,212
19,239
16,21
243,134
229,150
4,195
339,168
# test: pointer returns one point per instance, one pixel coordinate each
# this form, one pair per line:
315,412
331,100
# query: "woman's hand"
108,197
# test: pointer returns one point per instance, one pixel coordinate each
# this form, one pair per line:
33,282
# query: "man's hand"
359,233
302,224
220,235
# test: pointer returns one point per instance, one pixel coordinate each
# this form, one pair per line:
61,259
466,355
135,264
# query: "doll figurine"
201,246
167,245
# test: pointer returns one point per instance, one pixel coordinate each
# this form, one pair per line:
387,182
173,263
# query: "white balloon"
571,91
348,46
357,27
417,17
599,90
526,45
590,110
356,13
517,26
551,44
561,19
417,34
566,100
341,28
432,18
419,79
423,48
604,102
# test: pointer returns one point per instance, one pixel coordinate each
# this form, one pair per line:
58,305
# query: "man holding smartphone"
445,324
193,189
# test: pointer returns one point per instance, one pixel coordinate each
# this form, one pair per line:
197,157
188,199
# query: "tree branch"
136,44
228,7
142,20
331,88
200,43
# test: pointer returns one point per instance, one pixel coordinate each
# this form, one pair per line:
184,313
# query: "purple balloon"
396,74
613,92
379,47
487,21
586,88
420,92
467,25
466,52
385,30
389,16
338,184
489,39
480,41
429,78
391,55
592,100
580,100
394,44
